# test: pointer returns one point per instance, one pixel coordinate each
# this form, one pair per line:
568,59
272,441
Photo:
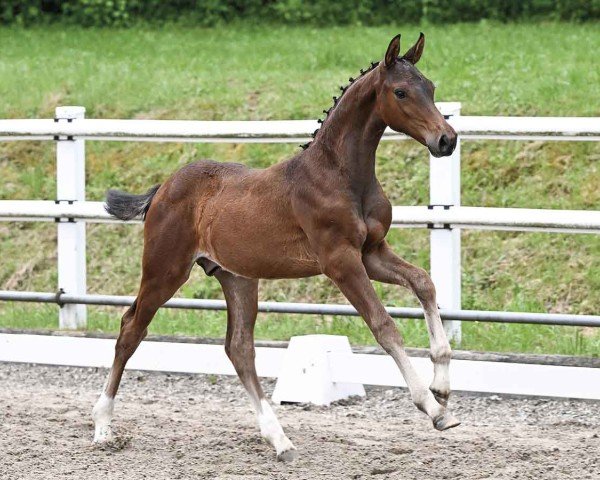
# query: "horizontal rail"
355,368
286,131
582,221
419,352
48,210
311,308
527,219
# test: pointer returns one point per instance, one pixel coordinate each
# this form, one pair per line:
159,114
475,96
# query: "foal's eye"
400,93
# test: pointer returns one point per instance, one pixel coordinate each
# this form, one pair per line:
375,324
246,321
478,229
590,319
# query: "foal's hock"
321,212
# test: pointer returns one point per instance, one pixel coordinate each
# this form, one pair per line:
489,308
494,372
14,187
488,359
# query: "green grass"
278,72
282,73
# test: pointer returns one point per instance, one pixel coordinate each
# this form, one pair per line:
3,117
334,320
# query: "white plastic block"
305,375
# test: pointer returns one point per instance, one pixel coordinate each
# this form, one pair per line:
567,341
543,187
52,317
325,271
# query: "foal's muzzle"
444,145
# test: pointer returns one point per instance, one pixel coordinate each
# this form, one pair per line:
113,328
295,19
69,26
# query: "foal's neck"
352,130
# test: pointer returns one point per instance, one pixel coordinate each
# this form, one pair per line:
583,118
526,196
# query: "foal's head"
405,100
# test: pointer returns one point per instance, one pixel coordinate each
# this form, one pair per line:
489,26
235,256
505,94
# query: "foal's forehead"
404,70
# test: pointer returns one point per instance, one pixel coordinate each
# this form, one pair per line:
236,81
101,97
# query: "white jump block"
305,375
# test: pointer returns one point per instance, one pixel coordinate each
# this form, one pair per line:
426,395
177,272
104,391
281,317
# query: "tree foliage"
124,13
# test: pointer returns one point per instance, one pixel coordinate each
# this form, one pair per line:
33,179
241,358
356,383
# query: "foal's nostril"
444,144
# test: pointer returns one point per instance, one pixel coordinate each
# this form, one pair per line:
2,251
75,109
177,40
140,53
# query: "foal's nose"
447,144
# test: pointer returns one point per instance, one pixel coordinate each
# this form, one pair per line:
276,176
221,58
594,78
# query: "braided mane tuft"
336,100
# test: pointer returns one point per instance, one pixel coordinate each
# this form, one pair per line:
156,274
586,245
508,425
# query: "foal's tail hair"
126,206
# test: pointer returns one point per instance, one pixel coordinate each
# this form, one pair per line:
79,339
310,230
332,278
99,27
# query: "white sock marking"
102,415
271,430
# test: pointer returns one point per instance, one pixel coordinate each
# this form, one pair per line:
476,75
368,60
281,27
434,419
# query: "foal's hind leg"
166,266
241,295
384,265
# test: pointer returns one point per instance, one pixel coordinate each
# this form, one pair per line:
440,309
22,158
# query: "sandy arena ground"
181,426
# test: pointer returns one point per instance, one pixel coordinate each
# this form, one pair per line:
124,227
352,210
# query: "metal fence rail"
310,309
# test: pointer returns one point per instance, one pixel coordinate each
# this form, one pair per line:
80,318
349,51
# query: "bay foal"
322,211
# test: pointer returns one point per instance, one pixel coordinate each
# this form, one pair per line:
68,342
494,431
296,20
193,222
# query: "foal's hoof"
103,435
445,421
288,455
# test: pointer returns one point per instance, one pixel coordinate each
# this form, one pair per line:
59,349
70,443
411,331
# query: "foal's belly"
258,243
264,259
268,261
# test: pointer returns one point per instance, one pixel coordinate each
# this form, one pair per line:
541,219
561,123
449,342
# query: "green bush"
98,12
580,10
124,13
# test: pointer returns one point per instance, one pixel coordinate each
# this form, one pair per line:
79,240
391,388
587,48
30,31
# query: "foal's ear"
392,51
414,54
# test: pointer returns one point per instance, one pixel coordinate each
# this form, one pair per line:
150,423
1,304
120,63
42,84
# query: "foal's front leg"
343,264
383,265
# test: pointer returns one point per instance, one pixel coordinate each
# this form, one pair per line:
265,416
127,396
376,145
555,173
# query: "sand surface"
174,426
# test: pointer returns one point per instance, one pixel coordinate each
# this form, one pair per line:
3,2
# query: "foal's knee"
423,286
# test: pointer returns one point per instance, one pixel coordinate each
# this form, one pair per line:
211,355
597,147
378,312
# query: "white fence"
314,368
444,216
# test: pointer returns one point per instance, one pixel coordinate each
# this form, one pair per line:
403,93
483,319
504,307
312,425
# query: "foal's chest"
377,218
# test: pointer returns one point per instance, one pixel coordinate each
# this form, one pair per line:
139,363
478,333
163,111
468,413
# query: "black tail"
126,206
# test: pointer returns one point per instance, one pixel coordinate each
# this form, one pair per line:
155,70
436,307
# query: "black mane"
343,89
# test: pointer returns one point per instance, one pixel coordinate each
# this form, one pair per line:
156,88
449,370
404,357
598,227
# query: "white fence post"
70,188
444,192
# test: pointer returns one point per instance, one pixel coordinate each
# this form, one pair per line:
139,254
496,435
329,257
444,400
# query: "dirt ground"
174,426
